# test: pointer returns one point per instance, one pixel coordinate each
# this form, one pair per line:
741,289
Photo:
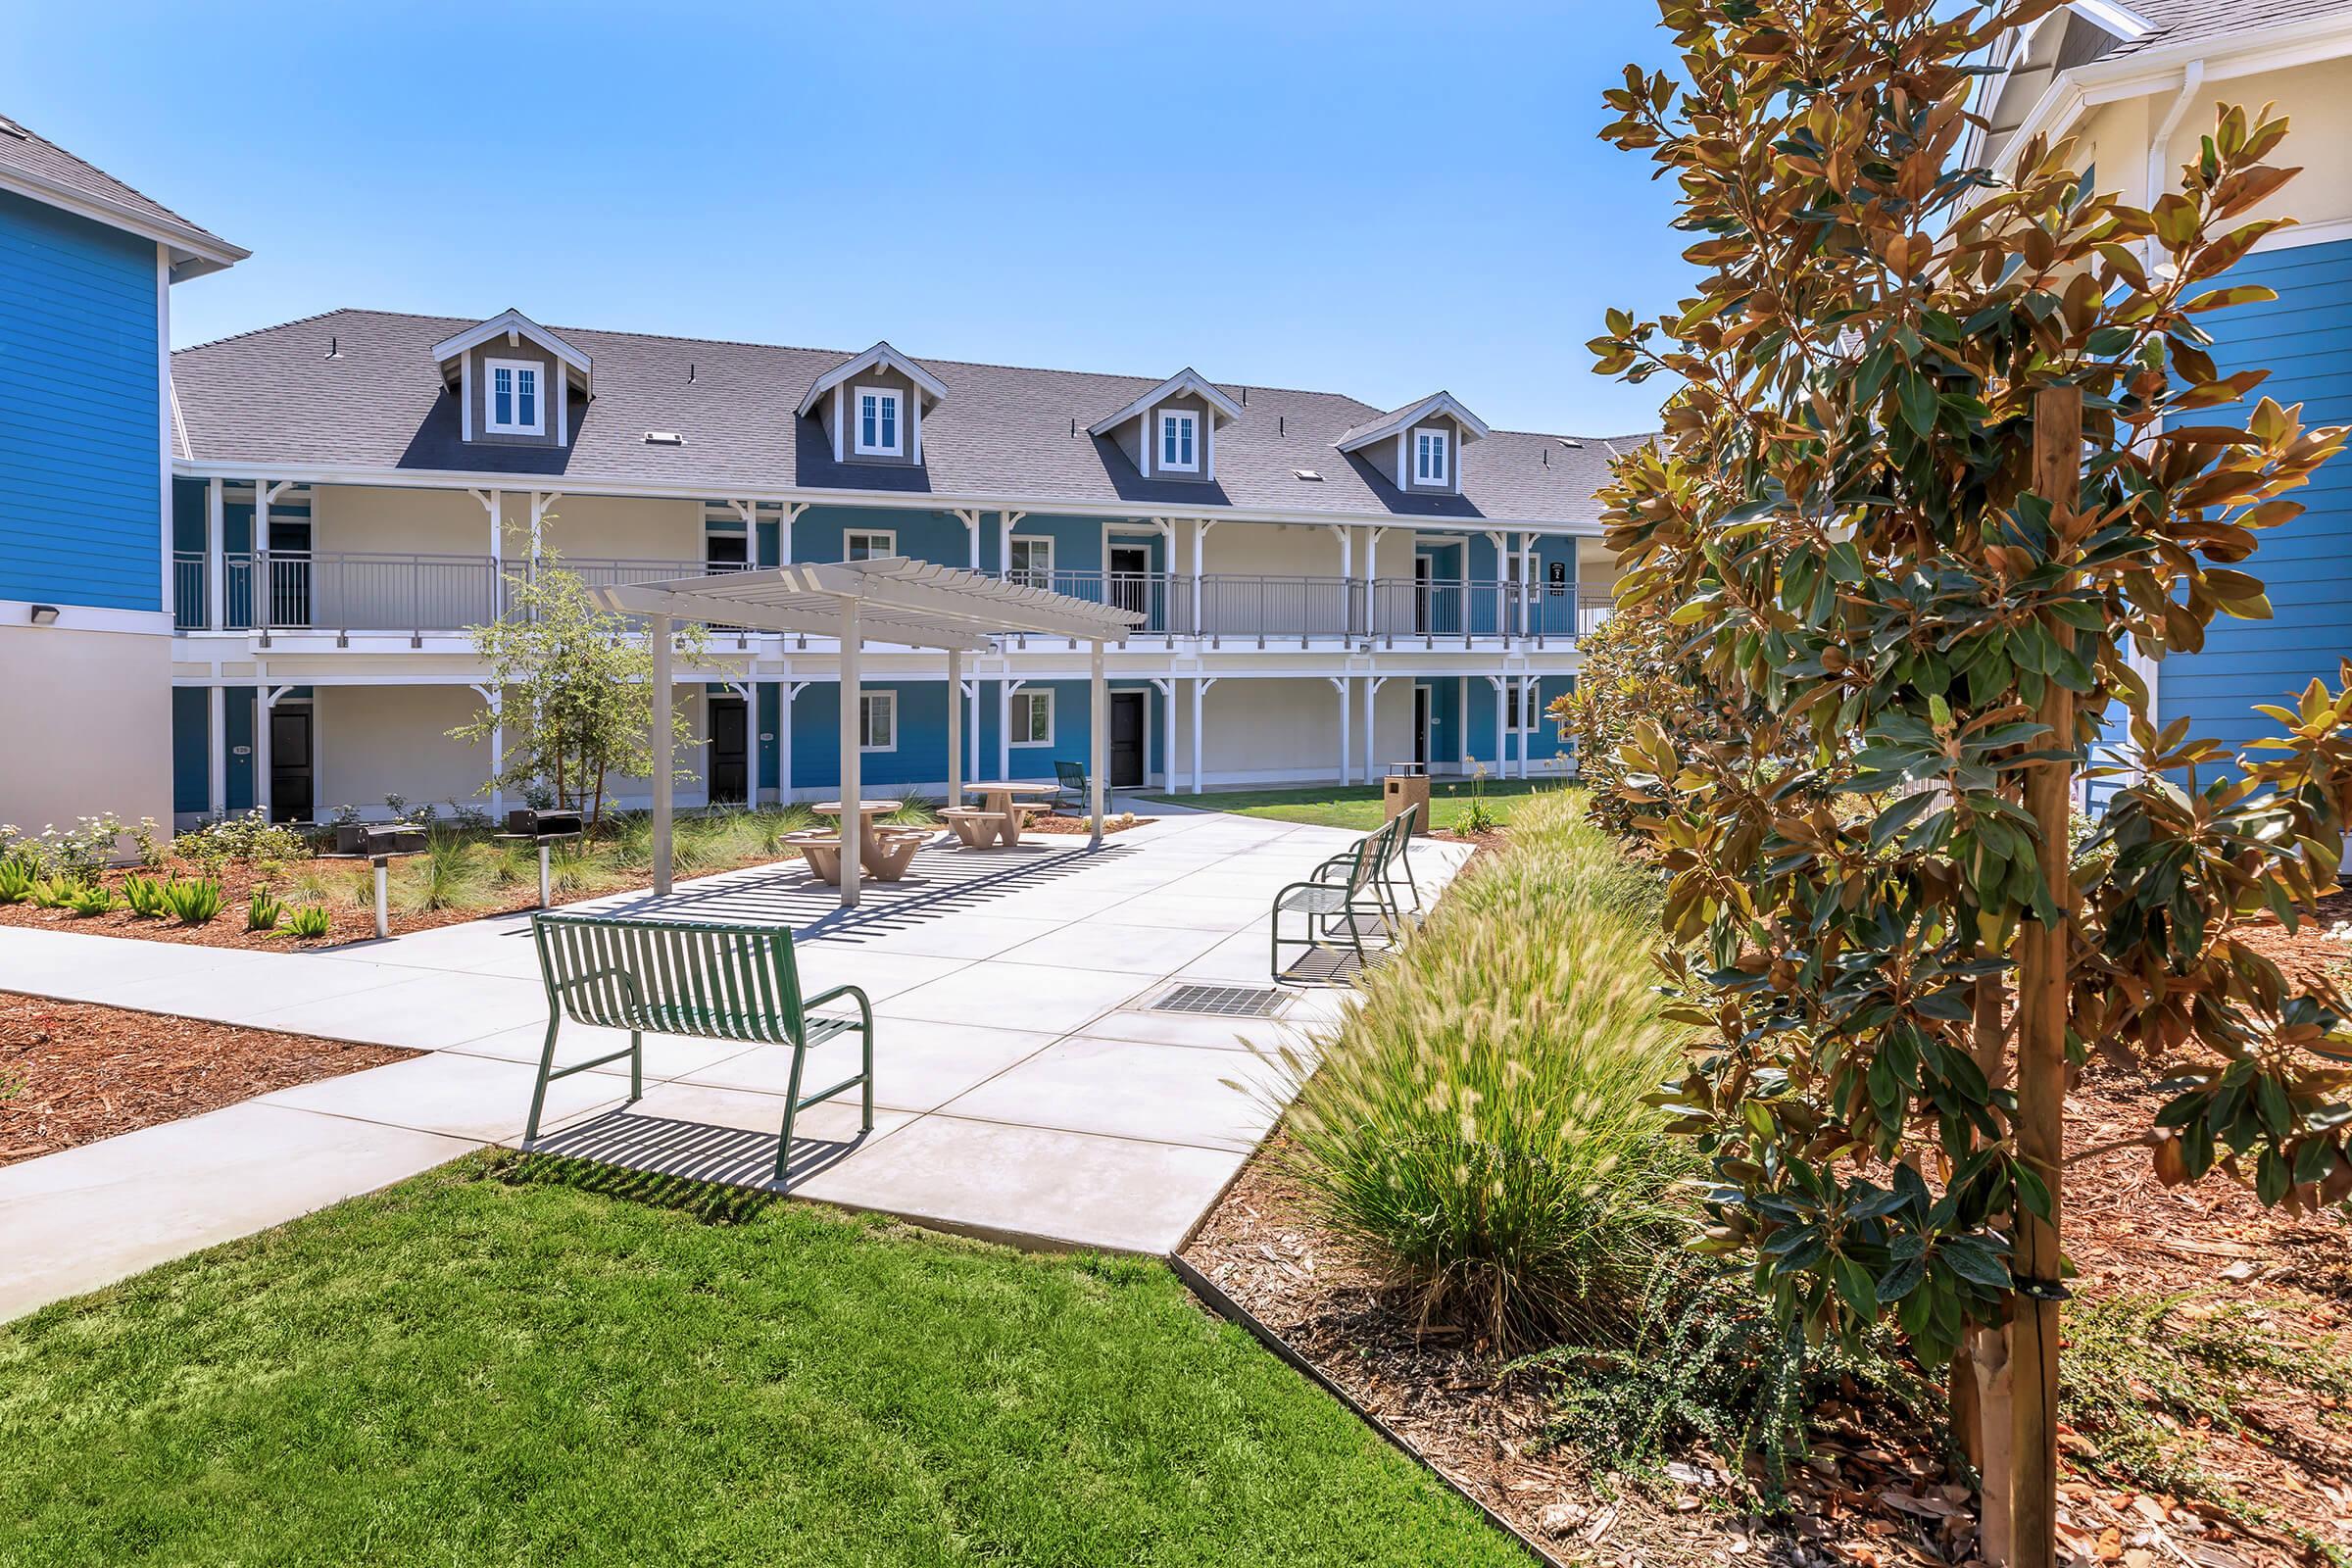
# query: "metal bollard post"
543,874
383,910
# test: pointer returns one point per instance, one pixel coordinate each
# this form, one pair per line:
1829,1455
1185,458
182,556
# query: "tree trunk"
2041,1007
1979,1384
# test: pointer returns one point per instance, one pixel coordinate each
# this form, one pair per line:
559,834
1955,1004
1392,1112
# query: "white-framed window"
1033,559
1179,441
1033,717
1433,455
878,721
876,417
514,405
868,544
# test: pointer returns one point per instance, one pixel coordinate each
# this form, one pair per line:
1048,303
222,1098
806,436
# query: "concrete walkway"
1027,1086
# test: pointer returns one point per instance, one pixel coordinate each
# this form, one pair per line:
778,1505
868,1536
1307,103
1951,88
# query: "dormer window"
1430,456
880,424
1180,441
514,405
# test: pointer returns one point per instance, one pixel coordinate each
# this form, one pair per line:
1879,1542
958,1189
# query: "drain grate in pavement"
1224,1001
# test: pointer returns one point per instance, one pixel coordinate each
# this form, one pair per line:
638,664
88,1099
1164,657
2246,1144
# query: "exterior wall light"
44,614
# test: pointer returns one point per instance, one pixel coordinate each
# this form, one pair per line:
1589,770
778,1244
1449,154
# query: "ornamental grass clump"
1478,1127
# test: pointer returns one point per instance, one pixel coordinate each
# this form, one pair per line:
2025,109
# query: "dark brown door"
730,755
1126,740
290,791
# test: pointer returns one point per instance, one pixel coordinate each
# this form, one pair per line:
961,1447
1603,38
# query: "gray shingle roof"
2179,22
45,163
275,397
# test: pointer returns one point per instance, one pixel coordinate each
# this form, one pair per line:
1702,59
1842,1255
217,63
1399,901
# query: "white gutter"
2192,76
214,254
448,480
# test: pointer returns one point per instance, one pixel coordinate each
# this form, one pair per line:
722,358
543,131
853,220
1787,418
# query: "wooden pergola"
896,601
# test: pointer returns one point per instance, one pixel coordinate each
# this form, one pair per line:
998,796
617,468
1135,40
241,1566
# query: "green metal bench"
1069,778
1355,886
702,980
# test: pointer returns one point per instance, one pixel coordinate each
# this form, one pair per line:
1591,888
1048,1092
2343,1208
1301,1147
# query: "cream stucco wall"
87,718
1269,731
2316,98
369,518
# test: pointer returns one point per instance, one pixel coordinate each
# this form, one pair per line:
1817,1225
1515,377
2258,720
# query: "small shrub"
17,877
252,839
1478,1127
89,899
51,892
264,912
145,895
308,923
192,900
472,818
914,810
1474,816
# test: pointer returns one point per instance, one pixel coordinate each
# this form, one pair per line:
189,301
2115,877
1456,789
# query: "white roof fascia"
1187,381
1445,403
522,325
193,252
881,354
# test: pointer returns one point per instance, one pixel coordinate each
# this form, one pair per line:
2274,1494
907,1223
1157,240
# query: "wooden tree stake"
2041,1052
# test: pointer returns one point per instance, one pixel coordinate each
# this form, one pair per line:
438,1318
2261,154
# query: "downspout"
2192,78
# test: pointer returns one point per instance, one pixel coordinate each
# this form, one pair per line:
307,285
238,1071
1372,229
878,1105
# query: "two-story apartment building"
1327,588
86,645
2137,84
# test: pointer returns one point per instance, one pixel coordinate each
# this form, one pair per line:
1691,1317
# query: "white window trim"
1161,420
857,397
1444,477
1034,539
490,369
1044,694
888,536
888,702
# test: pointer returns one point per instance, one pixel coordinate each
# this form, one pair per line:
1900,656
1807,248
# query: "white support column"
1166,687
494,698
969,517
1097,741
1346,533
1372,686
1200,686
657,631
215,564
792,515
216,729
1339,684
1527,585
1004,691
970,698
786,691
1502,741
852,782
955,719
1200,527
1372,535
265,698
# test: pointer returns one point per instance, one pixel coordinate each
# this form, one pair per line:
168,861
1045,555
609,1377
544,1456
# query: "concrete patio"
1027,1086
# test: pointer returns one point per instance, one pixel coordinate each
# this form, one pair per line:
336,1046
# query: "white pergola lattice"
897,601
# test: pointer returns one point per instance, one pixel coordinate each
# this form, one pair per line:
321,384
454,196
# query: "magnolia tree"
576,681
1949,454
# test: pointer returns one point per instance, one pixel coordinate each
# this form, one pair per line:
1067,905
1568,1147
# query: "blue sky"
1363,198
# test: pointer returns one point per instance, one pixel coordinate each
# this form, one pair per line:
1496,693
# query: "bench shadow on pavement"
693,1151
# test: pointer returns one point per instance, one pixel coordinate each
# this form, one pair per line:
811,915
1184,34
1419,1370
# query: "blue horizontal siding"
2305,339
80,450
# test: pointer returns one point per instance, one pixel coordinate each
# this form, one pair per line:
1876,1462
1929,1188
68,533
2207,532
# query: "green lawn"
1359,806
532,1364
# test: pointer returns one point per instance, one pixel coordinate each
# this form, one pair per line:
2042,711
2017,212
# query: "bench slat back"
672,977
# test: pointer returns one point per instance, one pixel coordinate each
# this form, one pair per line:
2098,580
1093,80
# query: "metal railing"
387,593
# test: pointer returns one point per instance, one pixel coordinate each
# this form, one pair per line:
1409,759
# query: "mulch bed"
350,922
1054,822
74,1072
1868,1498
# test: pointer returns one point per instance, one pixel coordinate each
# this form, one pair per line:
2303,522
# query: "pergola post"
853,785
955,726
1098,740
665,744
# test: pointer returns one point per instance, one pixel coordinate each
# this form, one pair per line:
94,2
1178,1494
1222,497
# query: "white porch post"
1168,732
216,729
970,519
1004,691
1371,597
215,570
956,718
657,629
1200,688
970,698
1372,686
786,691
1503,733
264,699
1098,740
1200,527
495,698
1339,684
853,784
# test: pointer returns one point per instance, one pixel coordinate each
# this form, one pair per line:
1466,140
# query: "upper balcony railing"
382,593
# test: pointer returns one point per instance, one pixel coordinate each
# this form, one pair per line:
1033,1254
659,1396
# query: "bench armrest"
865,1006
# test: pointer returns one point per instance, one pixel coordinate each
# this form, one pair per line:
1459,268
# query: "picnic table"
873,853
997,800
